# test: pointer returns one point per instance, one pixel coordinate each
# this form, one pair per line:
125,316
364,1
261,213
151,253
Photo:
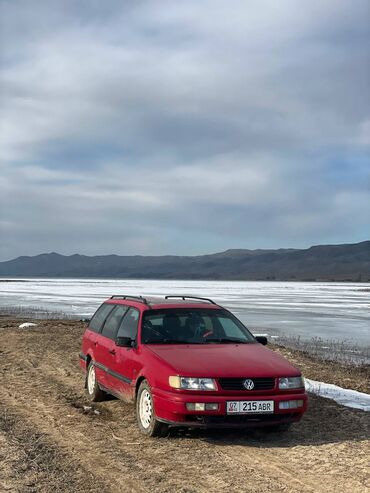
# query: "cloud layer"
182,127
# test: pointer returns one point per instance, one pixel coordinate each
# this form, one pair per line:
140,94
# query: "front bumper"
170,408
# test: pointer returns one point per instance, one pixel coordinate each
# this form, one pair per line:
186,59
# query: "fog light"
212,406
284,405
195,406
291,404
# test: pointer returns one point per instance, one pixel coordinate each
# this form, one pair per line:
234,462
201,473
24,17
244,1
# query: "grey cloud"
158,123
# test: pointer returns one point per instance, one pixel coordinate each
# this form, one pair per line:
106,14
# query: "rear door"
126,362
106,347
90,339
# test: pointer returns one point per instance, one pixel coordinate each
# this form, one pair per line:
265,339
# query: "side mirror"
261,339
124,342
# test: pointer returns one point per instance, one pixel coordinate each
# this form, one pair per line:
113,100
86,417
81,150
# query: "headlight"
189,383
287,383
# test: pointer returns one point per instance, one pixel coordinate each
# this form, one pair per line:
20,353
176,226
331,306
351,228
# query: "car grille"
237,383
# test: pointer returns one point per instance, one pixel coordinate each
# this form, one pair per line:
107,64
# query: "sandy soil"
48,442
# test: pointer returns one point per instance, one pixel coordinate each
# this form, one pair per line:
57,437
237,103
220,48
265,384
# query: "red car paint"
120,370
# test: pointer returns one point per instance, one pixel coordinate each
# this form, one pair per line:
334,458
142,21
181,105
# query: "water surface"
335,311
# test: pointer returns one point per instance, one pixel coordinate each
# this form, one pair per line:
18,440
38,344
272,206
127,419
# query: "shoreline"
345,374
343,351
200,279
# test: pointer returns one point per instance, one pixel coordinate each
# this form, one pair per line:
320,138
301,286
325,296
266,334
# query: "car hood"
224,360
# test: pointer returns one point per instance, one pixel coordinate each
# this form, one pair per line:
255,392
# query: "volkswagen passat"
186,361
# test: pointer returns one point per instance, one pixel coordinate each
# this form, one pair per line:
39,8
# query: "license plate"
249,407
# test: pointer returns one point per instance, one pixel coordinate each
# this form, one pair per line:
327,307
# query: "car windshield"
193,326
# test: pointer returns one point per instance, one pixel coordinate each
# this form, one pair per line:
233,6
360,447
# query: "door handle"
112,351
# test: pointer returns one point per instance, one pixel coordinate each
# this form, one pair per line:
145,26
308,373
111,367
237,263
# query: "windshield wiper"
172,341
218,340
224,340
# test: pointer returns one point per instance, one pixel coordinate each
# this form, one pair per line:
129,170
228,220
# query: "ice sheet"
333,311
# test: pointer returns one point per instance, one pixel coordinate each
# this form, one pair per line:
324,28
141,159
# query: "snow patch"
27,324
345,397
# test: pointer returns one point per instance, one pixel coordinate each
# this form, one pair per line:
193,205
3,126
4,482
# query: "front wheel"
145,413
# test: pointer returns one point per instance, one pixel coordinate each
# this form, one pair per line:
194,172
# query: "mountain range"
346,262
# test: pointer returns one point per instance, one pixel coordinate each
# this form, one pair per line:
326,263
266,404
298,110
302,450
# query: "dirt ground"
50,443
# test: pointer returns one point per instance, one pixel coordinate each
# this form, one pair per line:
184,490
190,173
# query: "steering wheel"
206,334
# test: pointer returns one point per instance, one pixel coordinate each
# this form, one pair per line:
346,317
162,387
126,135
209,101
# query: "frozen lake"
334,311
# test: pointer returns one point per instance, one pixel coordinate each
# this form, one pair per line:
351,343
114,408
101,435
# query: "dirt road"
49,442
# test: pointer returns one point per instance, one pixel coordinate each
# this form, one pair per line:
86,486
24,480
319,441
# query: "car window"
99,317
188,325
229,327
113,321
128,327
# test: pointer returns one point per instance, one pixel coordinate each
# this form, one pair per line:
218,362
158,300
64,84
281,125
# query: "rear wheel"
92,387
147,422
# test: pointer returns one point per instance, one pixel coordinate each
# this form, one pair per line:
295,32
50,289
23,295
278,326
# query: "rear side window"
98,319
128,327
113,321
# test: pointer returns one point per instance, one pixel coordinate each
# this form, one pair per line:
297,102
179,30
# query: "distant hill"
324,262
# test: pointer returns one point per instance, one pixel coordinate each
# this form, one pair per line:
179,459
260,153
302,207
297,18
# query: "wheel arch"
138,383
87,362
88,359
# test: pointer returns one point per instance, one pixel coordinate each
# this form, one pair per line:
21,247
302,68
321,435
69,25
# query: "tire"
148,425
92,387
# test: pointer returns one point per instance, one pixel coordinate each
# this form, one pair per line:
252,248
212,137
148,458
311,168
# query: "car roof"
169,301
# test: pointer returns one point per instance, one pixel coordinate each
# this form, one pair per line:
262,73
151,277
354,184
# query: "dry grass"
345,352
36,313
347,375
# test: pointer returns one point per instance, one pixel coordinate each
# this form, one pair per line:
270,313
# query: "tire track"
43,387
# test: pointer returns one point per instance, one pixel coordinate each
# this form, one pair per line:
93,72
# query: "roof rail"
129,297
189,297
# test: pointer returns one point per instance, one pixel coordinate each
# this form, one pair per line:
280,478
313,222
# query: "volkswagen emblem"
248,384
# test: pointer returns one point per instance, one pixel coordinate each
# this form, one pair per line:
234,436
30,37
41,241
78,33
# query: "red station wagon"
187,362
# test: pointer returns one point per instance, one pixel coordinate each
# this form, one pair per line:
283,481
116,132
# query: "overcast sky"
183,127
